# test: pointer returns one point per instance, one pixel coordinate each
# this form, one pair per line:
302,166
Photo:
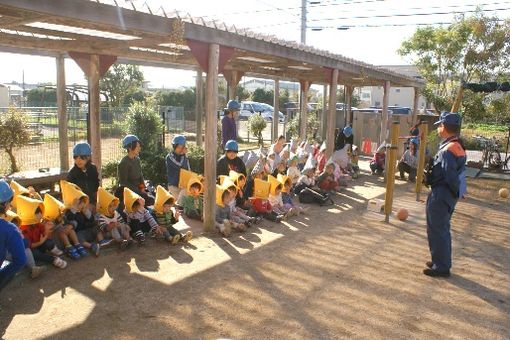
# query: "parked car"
266,111
341,106
295,106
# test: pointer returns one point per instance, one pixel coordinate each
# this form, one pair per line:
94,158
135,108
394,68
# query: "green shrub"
311,127
109,170
196,158
257,124
144,121
154,166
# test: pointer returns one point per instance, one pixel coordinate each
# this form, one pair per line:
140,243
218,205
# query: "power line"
386,16
346,27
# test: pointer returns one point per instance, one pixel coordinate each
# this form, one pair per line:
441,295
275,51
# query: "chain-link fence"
43,148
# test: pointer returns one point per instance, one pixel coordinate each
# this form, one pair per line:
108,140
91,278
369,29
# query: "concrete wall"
4,96
399,96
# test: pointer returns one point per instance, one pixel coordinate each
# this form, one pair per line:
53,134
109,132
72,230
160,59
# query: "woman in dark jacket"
84,173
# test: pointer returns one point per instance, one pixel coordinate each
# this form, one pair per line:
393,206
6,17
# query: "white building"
399,96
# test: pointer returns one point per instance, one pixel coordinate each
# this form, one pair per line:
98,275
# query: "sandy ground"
339,272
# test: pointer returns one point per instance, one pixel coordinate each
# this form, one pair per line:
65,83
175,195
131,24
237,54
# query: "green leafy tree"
471,48
144,121
41,97
183,98
242,93
257,124
263,96
120,81
14,133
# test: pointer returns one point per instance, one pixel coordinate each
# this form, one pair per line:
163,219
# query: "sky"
376,30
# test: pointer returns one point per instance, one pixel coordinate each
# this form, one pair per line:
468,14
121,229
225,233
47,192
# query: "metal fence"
43,148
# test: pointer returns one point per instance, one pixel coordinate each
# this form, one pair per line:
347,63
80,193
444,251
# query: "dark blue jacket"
12,242
448,165
174,164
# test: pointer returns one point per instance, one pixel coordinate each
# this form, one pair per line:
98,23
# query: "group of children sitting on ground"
259,186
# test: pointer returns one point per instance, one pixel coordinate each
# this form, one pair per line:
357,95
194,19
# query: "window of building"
397,90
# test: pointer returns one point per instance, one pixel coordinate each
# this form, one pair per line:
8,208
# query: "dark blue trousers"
440,207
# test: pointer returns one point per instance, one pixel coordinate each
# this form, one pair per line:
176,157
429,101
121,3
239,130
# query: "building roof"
156,37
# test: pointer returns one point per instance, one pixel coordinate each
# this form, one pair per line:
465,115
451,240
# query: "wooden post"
458,99
385,113
324,117
424,131
415,105
304,109
62,114
94,107
348,104
276,116
199,107
390,170
330,136
211,121
232,86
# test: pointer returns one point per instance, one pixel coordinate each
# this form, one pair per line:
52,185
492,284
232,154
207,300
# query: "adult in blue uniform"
445,179
10,239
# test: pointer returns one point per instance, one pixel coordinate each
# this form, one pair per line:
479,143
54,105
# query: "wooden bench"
40,180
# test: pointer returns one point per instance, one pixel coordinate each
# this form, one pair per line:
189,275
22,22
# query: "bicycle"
491,155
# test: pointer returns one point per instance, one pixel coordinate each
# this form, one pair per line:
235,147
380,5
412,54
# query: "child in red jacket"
260,201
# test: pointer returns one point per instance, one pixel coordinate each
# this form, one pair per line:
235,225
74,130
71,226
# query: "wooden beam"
304,86
390,171
199,99
385,113
276,106
94,107
348,103
330,136
62,114
415,105
324,114
211,122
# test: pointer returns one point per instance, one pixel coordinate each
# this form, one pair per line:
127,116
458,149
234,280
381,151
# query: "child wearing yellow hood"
38,234
110,220
192,203
78,214
166,218
139,219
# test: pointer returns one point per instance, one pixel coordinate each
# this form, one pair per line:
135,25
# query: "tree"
14,133
262,96
41,97
183,98
144,121
257,124
242,93
120,81
471,48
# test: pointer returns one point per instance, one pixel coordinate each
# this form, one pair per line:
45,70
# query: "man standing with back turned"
447,182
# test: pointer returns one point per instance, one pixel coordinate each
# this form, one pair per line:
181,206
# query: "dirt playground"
338,272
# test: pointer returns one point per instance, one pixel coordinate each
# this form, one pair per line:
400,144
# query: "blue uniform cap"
231,145
179,140
82,149
449,118
6,193
233,105
347,131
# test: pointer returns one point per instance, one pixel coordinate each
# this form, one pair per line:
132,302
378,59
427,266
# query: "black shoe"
429,264
435,273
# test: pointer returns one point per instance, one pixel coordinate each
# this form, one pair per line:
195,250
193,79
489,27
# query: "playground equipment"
390,171
424,130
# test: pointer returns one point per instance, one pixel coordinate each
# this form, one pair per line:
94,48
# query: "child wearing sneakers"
139,219
110,220
275,198
166,218
78,214
192,203
53,212
287,195
37,233
223,221
237,214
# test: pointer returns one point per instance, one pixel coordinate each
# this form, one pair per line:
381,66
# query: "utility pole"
303,21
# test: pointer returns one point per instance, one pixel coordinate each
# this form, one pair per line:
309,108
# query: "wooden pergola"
97,34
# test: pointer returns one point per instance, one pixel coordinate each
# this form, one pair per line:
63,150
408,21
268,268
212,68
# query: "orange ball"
402,214
504,193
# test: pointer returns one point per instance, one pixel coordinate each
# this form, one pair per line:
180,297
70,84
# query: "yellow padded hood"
129,198
104,199
11,216
274,184
284,179
184,178
162,195
193,180
70,193
21,190
235,176
26,209
226,182
260,189
220,189
53,208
